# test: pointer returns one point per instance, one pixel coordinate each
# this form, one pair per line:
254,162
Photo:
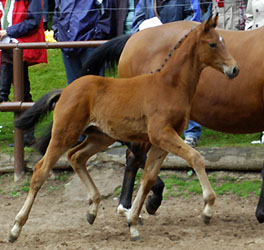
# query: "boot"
5,82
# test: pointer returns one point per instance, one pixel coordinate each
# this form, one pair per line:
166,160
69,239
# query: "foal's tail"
39,110
35,114
107,54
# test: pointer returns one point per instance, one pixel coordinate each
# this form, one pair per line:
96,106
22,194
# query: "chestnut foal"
148,108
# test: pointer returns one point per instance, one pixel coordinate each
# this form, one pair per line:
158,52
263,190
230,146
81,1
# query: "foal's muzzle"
231,72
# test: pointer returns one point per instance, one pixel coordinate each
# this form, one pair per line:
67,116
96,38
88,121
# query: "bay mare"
231,106
151,108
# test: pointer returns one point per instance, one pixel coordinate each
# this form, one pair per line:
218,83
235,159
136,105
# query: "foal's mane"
177,45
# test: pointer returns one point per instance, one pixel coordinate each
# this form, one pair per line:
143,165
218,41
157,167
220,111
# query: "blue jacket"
170,11
83,20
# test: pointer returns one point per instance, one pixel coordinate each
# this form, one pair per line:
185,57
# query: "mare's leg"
135,159
40,174
152,168
78,156
153,201
260,207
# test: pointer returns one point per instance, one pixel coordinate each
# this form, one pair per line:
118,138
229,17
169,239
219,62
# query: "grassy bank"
46,77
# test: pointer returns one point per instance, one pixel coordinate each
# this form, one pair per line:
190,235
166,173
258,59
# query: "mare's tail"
107,54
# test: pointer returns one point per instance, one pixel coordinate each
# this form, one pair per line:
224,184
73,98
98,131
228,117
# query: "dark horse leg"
135,159
260,207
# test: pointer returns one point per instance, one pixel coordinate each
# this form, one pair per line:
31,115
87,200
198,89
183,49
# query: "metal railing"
18,81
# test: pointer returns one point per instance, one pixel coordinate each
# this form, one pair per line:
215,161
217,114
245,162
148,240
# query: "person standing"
230,14
124,16
165,11
21,21
254,20
81,20
254,14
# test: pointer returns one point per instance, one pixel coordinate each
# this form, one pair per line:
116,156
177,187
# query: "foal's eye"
212,45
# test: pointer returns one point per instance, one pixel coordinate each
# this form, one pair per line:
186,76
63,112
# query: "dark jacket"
83,20
169,11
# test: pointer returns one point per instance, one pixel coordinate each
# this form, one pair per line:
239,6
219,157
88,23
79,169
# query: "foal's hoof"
12,238
140,221
152,204
91,218
206,219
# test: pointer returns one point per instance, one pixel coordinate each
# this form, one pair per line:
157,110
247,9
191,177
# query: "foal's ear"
211,23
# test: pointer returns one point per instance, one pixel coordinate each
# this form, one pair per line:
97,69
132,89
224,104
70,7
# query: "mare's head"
212,50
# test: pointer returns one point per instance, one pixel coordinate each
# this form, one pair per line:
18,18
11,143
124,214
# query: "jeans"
194,130
74,64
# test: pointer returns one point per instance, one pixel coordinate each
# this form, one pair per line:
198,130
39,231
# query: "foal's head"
212,51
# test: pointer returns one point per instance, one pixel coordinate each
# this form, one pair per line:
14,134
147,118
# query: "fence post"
18,81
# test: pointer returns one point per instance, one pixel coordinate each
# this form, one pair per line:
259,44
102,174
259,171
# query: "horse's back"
146,50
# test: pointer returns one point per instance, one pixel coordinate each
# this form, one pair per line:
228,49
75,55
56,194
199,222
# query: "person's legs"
73,66
192,133
27,94
6,79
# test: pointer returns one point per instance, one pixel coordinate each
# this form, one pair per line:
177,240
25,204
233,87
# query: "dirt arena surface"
59,222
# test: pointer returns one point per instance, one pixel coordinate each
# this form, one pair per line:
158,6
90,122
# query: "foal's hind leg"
40,174
78,156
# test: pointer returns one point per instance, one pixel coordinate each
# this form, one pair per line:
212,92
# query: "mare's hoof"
91,218
206,219
152,204
12,238
136,238
260,217
122,210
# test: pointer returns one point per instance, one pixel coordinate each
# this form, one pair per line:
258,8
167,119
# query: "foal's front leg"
152,168
173,143
135,159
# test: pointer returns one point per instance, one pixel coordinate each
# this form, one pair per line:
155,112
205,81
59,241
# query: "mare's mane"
177,45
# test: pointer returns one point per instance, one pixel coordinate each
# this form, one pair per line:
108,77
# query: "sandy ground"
58,221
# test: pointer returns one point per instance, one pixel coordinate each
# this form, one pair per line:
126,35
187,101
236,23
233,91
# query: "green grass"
46,77
186,186
13,189
211,138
